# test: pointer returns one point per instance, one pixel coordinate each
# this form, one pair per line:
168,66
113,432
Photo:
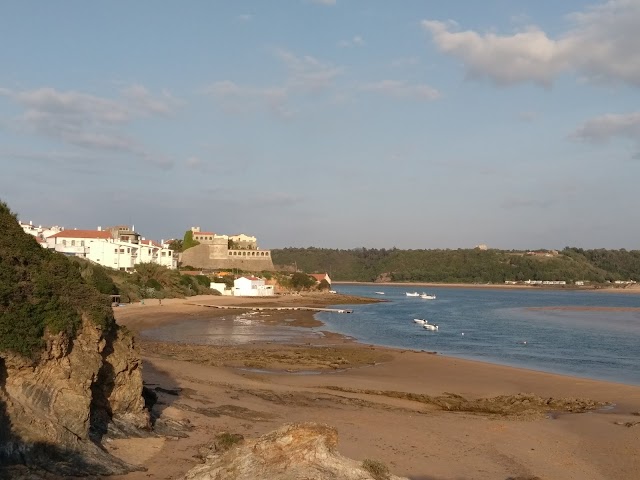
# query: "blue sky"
345,123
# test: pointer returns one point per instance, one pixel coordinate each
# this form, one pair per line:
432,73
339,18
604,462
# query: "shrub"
378,470
42,291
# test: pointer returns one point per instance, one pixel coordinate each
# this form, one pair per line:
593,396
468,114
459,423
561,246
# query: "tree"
324,285
302,281
188,241
176,245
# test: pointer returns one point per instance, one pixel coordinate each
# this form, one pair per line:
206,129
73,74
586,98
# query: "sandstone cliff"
68,373
55,410
295,451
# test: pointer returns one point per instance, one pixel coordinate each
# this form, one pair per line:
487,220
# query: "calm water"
496,324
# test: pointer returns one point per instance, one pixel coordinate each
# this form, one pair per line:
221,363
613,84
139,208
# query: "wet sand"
422,414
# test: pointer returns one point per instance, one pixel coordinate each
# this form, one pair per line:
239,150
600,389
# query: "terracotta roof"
82,234
203,233
252,278
151,242
318,276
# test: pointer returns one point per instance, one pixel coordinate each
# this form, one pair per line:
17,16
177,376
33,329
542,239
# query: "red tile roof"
203,233
82,234
319,276
151,242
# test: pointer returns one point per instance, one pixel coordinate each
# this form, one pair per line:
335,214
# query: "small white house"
220,287
251,287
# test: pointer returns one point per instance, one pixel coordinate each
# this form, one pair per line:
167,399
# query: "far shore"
635,289
390,405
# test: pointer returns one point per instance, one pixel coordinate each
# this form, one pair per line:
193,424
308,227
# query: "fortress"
217,252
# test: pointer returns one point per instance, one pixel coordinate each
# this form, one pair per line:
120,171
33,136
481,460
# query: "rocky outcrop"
294,451
54,410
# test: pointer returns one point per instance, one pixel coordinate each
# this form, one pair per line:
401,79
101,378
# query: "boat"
420,321
379,293
428,296
428,326
412,294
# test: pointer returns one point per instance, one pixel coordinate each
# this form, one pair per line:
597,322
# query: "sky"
327,123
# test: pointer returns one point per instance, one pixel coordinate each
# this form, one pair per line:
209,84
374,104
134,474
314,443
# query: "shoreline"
376,397
306,320
567,288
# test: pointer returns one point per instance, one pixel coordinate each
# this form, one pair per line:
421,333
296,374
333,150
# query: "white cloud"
356,41
601,46
238,98
89,121
307,72
304,75
140,100
400,89
606,127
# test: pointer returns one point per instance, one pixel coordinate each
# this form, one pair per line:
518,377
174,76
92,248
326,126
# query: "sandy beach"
428,417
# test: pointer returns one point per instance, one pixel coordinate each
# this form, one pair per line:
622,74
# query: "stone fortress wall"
215,254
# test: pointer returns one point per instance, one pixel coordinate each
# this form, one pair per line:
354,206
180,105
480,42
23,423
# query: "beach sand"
388,405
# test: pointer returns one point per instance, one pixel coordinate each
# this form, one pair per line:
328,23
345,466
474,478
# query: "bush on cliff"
40,291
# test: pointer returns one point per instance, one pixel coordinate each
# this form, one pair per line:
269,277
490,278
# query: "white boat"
428,296
420,321
379,293
428,326
412,294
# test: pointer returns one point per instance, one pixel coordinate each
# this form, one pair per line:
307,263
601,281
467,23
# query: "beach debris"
627,424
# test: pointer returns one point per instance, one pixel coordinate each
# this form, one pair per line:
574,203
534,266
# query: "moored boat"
412,294
428,296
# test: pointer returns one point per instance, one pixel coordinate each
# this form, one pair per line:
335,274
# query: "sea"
580,333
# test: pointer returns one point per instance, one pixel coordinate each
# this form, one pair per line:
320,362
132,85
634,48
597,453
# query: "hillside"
40,291
463,265
68,373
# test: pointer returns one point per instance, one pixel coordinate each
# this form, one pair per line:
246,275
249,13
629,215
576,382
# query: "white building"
221,287
251,287
100,247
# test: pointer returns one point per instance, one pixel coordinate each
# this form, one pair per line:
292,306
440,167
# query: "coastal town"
122,248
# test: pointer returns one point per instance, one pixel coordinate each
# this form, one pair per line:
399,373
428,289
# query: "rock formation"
294,451
68,373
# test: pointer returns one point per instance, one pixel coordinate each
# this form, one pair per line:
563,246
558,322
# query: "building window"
82,243
73,243
64,243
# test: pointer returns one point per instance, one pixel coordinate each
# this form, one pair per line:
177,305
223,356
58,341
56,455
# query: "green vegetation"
176,245
43,291
225,440
188,240
377,469
464,265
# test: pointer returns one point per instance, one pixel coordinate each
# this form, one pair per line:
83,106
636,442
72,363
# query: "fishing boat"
420,321
412,294
428,296
428,326
379,293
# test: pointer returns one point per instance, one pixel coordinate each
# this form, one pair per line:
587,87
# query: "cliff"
68,373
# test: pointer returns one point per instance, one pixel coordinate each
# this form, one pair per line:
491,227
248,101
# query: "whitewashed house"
221,287
251,287
100,247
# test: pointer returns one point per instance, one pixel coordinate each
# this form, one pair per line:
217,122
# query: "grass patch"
378,470
225,440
